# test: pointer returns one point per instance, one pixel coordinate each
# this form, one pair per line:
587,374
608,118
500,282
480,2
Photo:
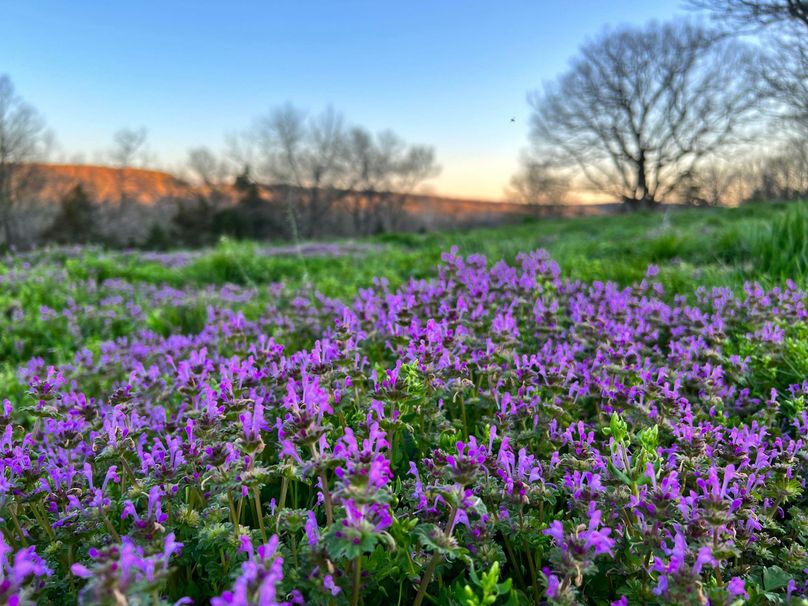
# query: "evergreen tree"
77,220
193,224
253,217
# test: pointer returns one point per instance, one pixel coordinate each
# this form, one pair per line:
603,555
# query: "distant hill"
105,183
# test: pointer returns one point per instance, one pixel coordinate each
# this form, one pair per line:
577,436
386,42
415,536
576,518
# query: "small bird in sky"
513,119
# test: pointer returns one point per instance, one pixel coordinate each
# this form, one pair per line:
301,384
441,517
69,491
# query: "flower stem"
433,563
465,421
110,527
357,580
259,512
535,581
17,526
329,510
281,502
233,516
514,562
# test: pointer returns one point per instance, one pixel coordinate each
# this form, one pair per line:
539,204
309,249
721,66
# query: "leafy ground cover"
253,426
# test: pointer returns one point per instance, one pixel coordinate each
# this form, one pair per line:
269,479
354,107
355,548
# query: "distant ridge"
105,183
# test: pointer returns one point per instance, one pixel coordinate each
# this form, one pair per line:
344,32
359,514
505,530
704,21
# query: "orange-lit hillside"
105,183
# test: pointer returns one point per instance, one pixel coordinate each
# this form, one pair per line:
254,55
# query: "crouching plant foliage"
493,435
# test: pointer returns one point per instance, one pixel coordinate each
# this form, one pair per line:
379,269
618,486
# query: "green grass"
692,247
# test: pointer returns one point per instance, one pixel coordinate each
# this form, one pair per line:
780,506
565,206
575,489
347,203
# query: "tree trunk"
642,179
5,206
7,231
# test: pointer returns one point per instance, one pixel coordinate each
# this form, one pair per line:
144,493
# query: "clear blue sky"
447,73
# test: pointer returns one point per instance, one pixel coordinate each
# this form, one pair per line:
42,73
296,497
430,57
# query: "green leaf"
775,577
619,474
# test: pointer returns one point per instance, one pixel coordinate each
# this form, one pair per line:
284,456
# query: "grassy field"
698,247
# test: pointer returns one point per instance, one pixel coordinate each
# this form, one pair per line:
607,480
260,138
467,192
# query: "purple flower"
312,529
553,584
737,588
259,579
328,583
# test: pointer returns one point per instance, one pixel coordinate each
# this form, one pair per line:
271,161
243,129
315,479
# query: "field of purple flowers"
495,434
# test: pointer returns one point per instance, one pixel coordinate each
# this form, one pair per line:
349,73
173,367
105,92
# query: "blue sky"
446,73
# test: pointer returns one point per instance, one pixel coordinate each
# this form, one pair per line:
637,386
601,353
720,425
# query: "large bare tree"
785,73
641,107
23,139
755,13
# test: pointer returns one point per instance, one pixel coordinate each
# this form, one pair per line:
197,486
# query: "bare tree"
785,73
326,172
307,155
205,167
755,13
782,173
641,107
194,220
369,169
785,70
777,172
417,164
383,171
716,183
23,139
129,147
538,182
128,150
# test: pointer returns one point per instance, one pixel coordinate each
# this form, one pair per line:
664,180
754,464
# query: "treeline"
289,175
242,209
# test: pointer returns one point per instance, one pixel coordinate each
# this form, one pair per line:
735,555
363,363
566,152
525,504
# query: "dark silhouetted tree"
253,217
192,225
641,107
77,220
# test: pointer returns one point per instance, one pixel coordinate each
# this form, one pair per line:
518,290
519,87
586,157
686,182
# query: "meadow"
604,410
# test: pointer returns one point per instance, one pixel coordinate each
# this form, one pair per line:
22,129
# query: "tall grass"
780,247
